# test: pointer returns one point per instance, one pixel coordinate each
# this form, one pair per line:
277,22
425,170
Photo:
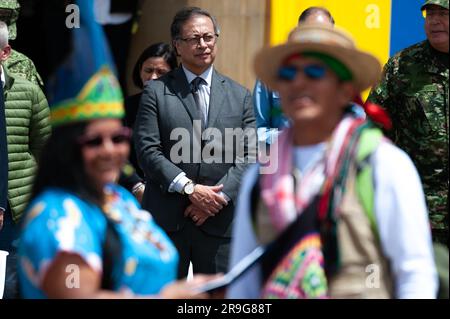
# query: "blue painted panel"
407,24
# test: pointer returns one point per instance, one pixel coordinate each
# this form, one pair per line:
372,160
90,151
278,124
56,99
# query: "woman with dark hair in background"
155,61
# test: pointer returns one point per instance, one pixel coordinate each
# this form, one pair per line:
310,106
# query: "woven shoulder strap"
368,143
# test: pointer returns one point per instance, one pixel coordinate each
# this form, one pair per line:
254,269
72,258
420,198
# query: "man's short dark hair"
184,15
305,14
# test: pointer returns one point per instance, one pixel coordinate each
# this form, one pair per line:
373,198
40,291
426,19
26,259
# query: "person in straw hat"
343,215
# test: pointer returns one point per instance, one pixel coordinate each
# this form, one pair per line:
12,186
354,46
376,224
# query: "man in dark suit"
185,145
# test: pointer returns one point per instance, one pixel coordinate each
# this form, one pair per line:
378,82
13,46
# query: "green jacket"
414,89
27,128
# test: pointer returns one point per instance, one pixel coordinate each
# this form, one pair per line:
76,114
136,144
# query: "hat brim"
365,68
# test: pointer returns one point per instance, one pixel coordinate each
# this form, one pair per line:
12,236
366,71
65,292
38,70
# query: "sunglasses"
120,137
312,71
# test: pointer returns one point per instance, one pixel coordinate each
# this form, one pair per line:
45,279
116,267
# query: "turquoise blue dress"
60,221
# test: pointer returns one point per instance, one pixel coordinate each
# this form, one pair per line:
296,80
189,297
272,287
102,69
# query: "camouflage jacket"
19,64
414,90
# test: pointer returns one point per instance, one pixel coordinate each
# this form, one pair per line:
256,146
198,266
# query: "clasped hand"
206,202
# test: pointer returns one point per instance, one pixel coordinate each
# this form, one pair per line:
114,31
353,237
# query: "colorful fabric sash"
301,272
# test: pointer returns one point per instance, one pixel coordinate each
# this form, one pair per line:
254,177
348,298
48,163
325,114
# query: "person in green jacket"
27,129
18,63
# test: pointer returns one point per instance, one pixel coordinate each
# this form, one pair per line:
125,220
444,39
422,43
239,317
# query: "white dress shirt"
2,76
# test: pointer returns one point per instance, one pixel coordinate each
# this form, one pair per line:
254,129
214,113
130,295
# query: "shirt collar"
207,75
2,77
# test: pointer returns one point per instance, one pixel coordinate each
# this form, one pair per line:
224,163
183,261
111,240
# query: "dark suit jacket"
129,179
168,104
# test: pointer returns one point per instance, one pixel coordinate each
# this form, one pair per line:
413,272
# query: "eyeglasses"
209,39
435,13
120,137
312,71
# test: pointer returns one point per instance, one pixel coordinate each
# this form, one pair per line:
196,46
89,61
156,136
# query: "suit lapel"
180,87
217,98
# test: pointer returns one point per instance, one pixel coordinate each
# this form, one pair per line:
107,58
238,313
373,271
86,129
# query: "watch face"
189,188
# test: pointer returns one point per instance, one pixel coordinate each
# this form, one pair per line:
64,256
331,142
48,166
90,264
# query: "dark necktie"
195,87
3,153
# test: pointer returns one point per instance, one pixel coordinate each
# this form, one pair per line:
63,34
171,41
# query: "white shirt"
2,76
306,156
401,217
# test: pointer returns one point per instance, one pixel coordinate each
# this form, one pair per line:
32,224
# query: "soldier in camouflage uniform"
415,91
17,63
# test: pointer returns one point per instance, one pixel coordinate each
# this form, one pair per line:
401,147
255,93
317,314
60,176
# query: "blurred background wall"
381,26
242,23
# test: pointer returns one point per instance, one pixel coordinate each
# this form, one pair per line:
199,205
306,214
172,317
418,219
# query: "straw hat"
365,68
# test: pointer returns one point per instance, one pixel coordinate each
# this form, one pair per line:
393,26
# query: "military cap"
441,3
9,12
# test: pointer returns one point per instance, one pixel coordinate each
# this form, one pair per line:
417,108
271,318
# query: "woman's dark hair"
157,50
305,14
184,15
61,164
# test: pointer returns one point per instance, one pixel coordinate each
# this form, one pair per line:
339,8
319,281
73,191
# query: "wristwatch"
188,189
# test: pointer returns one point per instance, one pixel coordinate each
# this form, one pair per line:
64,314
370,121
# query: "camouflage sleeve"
40,122
29,72
380,93
21,65
34,77
383,95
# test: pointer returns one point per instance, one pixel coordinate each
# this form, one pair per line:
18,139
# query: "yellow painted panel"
369,21
284,17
